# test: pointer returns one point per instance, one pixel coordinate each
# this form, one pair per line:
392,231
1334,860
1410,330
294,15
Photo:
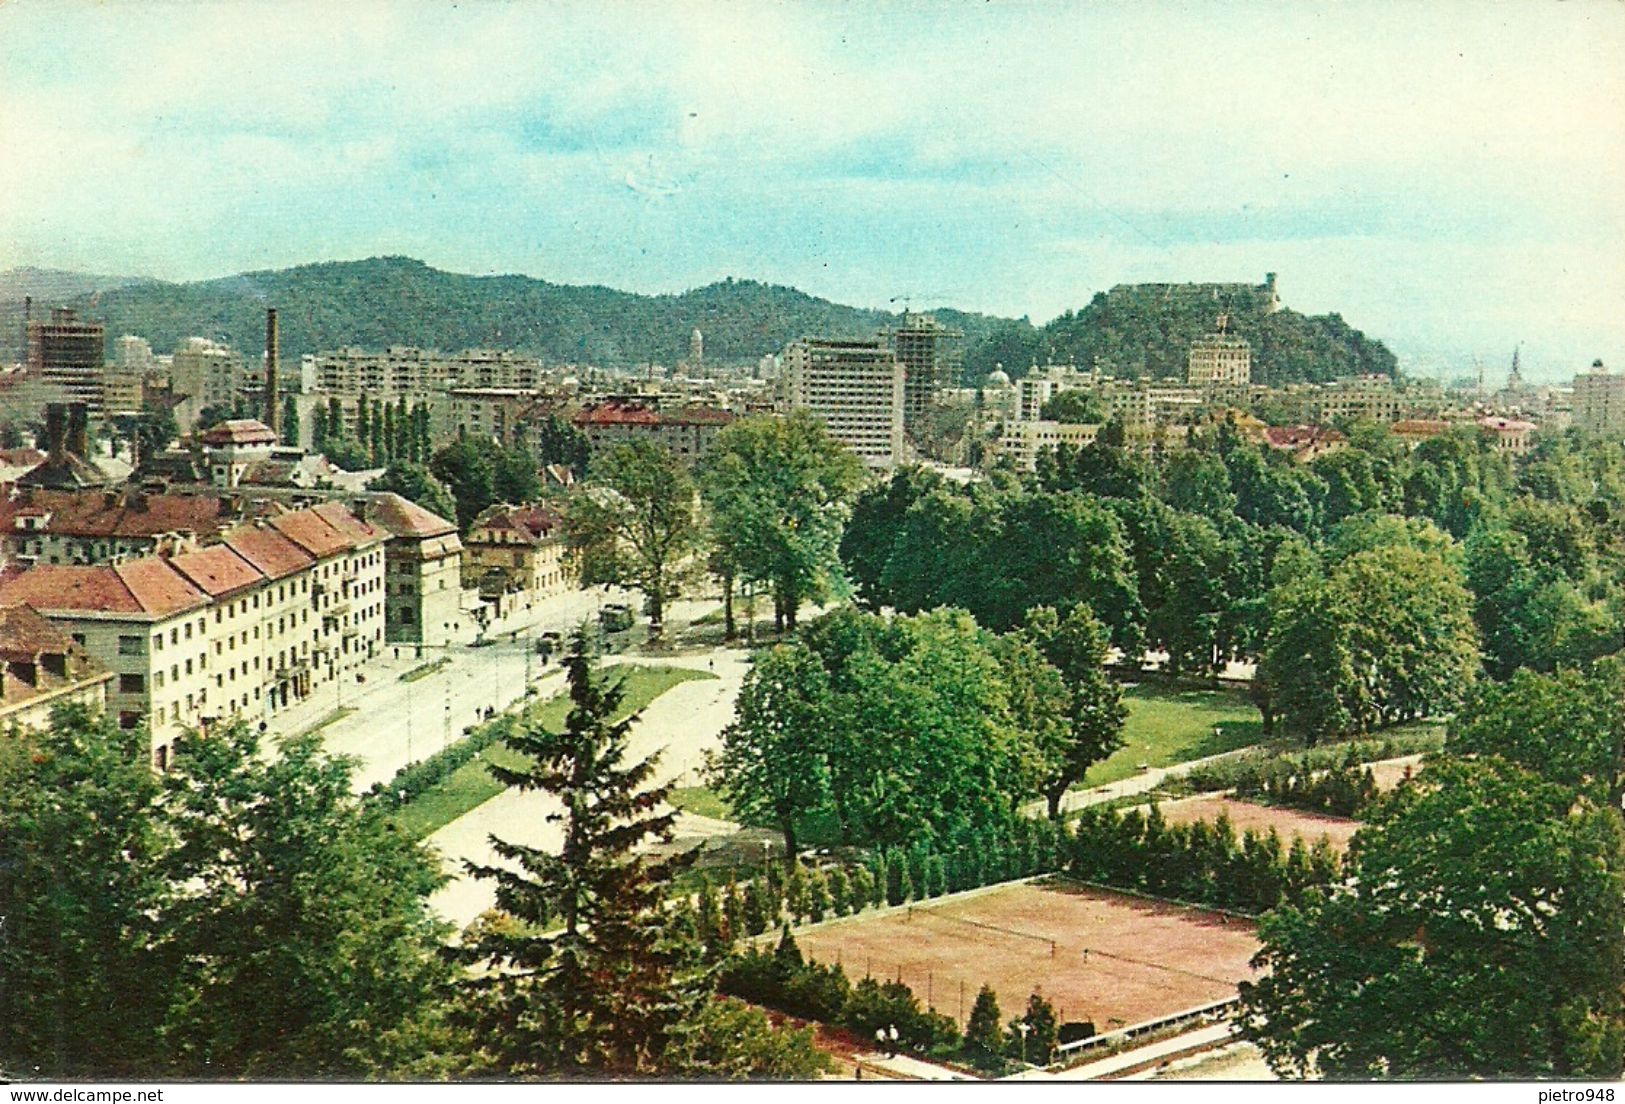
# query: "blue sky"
1449,176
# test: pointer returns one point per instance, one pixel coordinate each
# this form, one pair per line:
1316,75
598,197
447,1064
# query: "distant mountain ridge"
1133,329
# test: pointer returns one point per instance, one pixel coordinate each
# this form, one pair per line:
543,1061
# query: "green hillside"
1135,330
1145,330
400,301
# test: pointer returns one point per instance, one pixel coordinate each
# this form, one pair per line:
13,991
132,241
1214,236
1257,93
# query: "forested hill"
1146,329
1135,329
400,301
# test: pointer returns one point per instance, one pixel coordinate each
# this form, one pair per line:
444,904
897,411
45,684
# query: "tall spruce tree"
606,988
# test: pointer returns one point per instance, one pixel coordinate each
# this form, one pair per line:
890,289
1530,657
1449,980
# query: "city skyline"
1448,184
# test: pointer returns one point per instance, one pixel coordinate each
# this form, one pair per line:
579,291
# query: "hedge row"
415,779
1340,792
1252,767
1200,863
782,979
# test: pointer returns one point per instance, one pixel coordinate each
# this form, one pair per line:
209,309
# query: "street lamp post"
1024,1027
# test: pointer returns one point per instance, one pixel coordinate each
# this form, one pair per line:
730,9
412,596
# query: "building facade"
65,358
423,575
858,389
686,432
240,629
1598,402
515,556
41,668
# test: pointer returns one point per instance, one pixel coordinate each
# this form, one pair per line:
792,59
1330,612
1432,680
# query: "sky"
1450,177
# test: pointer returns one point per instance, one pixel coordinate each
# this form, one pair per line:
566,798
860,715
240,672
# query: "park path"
682,724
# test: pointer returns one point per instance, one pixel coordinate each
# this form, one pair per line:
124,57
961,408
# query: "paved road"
1143,782
681,725
394,723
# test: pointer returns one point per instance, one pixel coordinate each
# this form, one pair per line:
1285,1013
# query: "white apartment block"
241,629
406,371
1370,397
1219,360
207,374
856,388
1023,441
1598,403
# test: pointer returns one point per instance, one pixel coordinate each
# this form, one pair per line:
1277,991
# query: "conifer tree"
984,1036
607,991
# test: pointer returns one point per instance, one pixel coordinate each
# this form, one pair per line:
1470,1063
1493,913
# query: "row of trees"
245,916
917,728
1479,928
1369,584
384,433
766,507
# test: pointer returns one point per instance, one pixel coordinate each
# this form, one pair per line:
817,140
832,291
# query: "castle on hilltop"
1265,297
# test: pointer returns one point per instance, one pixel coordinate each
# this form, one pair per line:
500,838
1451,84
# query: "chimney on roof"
78,441
271,411
56,431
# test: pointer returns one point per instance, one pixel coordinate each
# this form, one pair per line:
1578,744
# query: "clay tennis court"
1260,818
1095,955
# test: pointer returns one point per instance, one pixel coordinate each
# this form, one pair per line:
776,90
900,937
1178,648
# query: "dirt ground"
1245,815
1098,956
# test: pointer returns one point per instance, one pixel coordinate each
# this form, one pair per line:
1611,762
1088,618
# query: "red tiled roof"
271,553
405,518
536,522
147,586
217,570
618,413
326,530
1506,425
158,586
24,634
1295,437
239,431
111,514
344,520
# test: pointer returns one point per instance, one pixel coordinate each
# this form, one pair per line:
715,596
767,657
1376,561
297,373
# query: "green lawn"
701,801
424,670
471,785
1168,725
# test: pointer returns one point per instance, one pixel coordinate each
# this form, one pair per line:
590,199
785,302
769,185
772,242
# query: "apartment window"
188,666
188,630
79,639
158,679
174,636
131,684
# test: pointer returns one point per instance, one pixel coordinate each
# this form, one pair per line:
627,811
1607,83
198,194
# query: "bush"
415,779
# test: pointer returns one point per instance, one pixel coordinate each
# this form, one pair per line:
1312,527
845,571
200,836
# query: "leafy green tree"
773,762
155,430
1385,637
779,491
415,484
608,990
300,935
729,1040
481,472
289,426
1479,934
872,531
1077,407
1095,714
984,1033
636,525
82,989
1566,727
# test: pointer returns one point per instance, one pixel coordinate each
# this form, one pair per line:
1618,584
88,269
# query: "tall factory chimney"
272,413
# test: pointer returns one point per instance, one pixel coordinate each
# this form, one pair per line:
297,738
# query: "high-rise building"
857,389
65,357
929,354
1599,401
208,375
